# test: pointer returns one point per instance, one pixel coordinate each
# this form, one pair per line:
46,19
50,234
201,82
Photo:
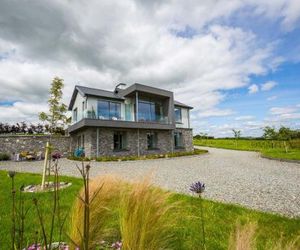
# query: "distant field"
273,149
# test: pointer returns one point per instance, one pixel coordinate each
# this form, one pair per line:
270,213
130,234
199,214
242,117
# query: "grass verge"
272,149
220,218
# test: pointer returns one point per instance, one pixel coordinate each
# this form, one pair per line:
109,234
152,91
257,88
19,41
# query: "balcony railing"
90,114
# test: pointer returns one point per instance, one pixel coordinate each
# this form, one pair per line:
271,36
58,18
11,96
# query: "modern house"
136,120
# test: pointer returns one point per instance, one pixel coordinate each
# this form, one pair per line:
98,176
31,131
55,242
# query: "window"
178,116
83,106
109,110
80,141
75,115
119,140
178,142
152,140
149,111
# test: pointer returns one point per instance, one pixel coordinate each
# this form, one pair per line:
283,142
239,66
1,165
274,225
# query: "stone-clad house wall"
165,141
15,144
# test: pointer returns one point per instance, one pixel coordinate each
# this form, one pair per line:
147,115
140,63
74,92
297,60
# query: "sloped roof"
87,91
180,104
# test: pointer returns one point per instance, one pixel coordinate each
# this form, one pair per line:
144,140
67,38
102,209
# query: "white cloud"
282,110
252,89
272,98
268,86
105,42
245,118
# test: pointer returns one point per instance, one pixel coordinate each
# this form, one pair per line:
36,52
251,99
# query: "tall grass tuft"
104,195
243,238
145,217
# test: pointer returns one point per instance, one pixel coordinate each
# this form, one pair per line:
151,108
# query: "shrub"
146,218
104,199
4,157
137,213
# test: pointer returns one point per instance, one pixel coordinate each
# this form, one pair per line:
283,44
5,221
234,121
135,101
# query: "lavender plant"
198,188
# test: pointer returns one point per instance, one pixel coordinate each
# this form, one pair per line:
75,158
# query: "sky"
236,62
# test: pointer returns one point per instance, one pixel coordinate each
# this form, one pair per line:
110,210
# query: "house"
136,120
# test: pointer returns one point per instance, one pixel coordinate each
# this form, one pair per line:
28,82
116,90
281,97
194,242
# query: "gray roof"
86,91
180,104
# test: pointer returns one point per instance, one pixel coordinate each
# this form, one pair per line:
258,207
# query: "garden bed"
135,157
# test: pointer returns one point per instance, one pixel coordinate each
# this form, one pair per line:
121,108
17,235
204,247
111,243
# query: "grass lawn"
267,148
220,218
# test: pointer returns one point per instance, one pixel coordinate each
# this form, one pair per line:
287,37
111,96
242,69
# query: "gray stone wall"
165,141
15,144
187,136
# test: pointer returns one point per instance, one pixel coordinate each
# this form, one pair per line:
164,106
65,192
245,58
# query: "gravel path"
231,176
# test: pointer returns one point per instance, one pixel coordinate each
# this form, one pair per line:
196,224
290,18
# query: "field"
220,218
268,148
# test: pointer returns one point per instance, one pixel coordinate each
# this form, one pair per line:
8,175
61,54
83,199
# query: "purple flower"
197,187
56,156
117,245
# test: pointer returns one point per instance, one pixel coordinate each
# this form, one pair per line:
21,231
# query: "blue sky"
237,63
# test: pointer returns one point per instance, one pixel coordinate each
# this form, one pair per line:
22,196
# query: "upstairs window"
178,116
149,110
109,110
152,140
120,140
178,140
75,113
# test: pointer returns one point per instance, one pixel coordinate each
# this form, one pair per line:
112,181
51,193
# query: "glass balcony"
91,114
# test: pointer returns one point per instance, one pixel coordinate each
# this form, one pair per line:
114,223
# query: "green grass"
220,218
272,149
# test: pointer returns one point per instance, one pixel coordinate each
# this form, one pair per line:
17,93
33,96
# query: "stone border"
279,159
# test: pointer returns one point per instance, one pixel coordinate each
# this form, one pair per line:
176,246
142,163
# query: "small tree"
56,115
237,135
270,134
57,109
285,134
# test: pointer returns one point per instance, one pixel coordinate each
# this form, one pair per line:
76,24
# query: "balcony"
91,119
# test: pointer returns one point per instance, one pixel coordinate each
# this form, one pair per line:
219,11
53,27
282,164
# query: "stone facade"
136,141
15,144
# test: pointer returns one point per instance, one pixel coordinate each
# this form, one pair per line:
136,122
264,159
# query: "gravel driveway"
231,176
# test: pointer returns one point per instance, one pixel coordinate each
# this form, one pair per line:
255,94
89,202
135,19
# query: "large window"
109,110
119,140
152,140
178,116
178,140
149,111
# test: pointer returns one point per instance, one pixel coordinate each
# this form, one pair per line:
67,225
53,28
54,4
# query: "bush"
4,157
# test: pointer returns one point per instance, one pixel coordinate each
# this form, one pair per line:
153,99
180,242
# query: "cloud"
252,89
272,98
268,86
245,118
282,110
105,42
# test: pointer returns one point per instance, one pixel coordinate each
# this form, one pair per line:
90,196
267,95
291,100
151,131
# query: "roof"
86,91
180,104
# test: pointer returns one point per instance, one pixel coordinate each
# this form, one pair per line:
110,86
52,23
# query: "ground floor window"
120,140
178,140
80,141
152,140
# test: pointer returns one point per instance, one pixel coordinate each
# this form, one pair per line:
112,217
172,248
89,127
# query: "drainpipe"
136,106
138,141
97,143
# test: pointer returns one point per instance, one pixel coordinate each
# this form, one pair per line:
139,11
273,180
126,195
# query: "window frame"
180,114
178,137
154,137
111,113
121,141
